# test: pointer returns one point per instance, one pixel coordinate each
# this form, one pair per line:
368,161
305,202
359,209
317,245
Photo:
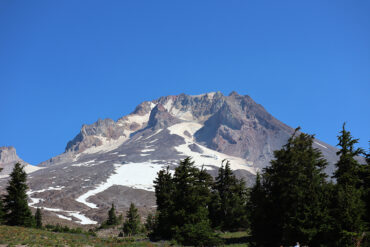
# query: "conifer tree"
131,226
112,217
164,189
150,223
350,209
191,224
16,207
293,195
229,198
257,206
1,207
38,218
365,178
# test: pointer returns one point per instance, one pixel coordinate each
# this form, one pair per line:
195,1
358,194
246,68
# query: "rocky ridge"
117,161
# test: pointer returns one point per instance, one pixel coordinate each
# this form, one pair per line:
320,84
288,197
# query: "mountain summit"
116,161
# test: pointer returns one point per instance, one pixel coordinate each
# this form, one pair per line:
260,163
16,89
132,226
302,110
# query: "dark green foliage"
229,198
38,218
350,208
293,196
257,206
1,208
120,219
112,218
66,229
132,222
192,194
150,223
365,186
182,204
164,189
16,209
1,211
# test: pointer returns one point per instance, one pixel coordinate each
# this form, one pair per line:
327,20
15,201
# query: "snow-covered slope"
116,161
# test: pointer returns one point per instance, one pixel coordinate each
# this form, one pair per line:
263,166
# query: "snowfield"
134,175
82,219
209,157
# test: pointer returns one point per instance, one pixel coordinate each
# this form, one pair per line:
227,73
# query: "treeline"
292,200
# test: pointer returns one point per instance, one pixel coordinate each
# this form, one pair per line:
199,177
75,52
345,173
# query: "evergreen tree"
1,207
229,198
132,222
38,218
150,223
293,196
164,189
365,178
190,216
350,209
16,208
259,221
112,218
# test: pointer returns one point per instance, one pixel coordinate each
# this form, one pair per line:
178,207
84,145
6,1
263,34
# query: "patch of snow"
122,155
88,163
64,217
183,115
320,145
107,145
153,140
148,150
156,132
209,156
179,129
83,219
136,118
168,105
126,175
144,154
30,168
76,157
139,138
43,190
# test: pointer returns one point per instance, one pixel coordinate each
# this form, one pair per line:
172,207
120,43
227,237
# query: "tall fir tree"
164,189
38,218
293,195
1,207
16,208
259,220
229,198
150,223
365,185
191,224
350,209
112,217
131,226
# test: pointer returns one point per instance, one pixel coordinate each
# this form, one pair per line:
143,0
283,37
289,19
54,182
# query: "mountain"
8,158
116,161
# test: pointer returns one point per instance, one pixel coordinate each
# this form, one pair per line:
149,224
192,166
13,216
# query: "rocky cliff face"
116,161
8,158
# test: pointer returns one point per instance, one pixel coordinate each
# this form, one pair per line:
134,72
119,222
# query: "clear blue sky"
66,63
